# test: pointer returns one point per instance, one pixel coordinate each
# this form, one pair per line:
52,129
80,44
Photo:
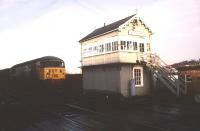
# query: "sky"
31,29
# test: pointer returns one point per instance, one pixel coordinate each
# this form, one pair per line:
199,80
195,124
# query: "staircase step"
165,74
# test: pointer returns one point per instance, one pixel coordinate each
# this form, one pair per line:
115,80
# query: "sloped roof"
188,68
106,28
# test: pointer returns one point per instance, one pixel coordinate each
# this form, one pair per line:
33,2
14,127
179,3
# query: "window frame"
123,45
188,78
141,47
148,47
140,76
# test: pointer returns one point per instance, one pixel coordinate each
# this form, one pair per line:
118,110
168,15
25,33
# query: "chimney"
104,24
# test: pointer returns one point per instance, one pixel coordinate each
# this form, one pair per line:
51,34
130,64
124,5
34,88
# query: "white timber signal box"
111,58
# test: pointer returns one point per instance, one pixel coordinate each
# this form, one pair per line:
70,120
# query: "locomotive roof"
46,58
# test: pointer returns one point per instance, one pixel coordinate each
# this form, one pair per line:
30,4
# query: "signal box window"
148,47
138,76
128,45
141,47
134,45
116,45
123,45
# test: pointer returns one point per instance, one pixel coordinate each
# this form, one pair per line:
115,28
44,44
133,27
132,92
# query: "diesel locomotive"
36,81
45,68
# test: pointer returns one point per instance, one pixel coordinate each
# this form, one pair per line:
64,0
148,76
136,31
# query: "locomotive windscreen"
52,64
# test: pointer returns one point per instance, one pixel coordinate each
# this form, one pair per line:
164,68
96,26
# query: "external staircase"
166,74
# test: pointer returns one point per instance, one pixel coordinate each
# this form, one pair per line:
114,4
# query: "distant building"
111,58
191,75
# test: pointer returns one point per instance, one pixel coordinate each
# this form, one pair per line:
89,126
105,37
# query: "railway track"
77,116
103,117
156,116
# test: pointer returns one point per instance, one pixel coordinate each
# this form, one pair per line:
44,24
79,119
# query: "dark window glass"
141,47
123,45
127,45
134,45
52,64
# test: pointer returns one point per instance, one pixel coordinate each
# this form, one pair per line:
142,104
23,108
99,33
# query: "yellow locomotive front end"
52,70
53,73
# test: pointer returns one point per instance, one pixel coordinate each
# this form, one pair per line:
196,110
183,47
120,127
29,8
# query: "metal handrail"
167,71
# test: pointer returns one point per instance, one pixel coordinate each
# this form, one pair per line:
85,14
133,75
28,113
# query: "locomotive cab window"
52,64
62,64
